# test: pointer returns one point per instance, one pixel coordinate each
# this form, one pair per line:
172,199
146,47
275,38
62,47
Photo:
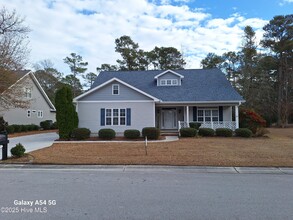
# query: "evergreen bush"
243,132
206,132
18,150
188,132
107,133
132,133
151,133
81,133
224,132
195,125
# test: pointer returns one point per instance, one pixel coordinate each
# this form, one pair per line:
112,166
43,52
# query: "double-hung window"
108,116
40,114
116,116
115,89
207,115
28,93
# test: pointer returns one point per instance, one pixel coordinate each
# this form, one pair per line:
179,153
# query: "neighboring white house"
167,99
40,108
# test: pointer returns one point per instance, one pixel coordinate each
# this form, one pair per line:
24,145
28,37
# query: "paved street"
133,192
32,142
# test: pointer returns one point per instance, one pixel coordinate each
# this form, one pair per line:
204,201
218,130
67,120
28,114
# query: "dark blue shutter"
220,113
194,113
128,116
102,117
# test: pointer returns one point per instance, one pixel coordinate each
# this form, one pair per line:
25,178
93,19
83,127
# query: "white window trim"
28,92
210,109
117,89
40,114
112,116
171,82
29,113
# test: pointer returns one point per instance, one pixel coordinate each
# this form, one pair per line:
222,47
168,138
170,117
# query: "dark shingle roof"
197,85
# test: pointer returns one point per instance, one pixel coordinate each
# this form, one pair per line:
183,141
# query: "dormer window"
168,82
115,89
169,78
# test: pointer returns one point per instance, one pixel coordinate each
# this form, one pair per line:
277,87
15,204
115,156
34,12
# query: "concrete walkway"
32,142
151,168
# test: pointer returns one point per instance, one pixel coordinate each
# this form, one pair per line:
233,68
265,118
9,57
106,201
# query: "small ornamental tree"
66,116
251,120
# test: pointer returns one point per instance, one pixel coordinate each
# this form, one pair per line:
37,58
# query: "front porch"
172,118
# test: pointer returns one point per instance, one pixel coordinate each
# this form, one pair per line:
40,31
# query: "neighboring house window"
168,82
207,115
28,93
115,116
40,114
29,113
115,89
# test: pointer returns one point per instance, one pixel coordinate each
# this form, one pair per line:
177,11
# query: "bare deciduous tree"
13,57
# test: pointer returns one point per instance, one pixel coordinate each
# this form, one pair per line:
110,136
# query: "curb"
153,168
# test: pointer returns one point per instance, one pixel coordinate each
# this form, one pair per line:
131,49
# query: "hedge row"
220,132
151,133
21,128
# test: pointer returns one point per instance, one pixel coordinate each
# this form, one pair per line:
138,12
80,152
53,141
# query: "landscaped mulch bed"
30,133
275,150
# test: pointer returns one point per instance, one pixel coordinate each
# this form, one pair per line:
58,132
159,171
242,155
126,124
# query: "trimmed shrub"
46,125
81,133
224,132
151,133
17,128
107,133
10,129
243,132
132,133
18,150
188,132
195,125
206,132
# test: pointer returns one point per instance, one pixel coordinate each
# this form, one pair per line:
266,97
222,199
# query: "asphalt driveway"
32,142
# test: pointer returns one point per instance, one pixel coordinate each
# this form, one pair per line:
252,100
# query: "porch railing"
211,124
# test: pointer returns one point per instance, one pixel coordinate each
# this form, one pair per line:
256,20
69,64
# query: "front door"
169,118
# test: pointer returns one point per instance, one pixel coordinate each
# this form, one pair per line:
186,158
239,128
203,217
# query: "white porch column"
236,116
187,115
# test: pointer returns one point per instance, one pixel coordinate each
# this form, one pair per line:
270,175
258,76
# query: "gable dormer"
169,78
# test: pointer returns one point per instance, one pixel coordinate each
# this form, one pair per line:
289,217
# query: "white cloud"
60,27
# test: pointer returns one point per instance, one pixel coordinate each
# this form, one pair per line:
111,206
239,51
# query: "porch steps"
169,133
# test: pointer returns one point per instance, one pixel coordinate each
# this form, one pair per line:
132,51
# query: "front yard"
274,150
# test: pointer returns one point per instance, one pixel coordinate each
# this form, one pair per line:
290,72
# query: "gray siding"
37,102
105,94
142,115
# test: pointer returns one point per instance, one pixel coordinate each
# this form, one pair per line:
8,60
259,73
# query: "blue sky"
264,9
90,27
